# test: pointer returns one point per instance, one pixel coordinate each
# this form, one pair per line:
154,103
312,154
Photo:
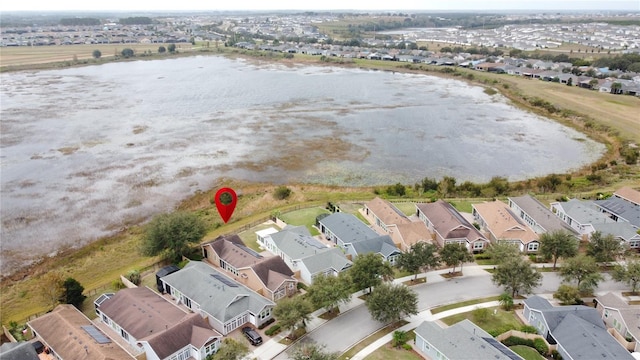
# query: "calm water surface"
86,150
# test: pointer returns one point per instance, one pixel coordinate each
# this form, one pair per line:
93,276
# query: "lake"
87,150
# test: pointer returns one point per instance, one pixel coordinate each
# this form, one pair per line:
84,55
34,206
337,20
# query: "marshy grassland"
610,119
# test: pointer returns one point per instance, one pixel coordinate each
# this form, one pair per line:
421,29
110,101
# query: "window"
265,314
124,334
533,246
478,245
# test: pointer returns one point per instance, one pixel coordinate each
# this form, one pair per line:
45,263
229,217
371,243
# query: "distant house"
502,225
537,216
577,330
268,276
146,320
226,303
306,256
620,210
70,335
356,238
621,318
387,219
450,226
461,341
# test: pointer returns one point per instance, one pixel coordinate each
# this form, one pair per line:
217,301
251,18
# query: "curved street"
355,324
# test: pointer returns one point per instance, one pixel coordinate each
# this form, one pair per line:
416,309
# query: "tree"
584,270
162,49
570,82
567,294
604,248
616,88
368,270
391,302
72,292
399,338
231,349
501,251
593,83
558,244
293,313
506,301
281,192
311,351
329,291
454,254
97,54
51,288
171,48
628,273
446,186
127,52
420,256
517,276
171,235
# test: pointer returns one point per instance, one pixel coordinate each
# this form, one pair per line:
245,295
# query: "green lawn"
249,236
496,324
526,352
440,309
387,352
407,208
306,217
373,337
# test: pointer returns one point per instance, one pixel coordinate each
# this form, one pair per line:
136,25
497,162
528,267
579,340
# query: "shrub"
556,355
514,340
281,192
541,346
406,346
528,329
266,323
134,277
275,329
301,286
117,284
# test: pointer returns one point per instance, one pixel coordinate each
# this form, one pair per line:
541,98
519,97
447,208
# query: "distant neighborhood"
191,310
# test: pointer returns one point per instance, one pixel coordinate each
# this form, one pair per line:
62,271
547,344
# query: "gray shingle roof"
584,340
18,351
543,216
332,258
582,212
622,208
381,244
347,227
197,281
462,341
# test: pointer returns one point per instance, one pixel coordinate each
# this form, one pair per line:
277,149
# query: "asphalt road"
341,333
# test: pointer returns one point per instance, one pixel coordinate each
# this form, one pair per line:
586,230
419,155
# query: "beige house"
501,225
70,335
268,276
629,194
387,219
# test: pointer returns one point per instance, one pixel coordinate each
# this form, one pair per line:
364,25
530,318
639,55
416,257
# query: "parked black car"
252,335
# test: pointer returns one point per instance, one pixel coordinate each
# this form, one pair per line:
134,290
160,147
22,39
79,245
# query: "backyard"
495,321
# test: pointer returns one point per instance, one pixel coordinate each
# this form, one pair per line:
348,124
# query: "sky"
367,5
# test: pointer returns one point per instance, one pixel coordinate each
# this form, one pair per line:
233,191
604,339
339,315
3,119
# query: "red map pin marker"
226,200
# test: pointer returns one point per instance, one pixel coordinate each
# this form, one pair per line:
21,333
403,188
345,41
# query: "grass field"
387,352
526,352
306,217
496,324
25,55
440,309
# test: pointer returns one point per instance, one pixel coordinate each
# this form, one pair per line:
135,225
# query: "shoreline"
199,201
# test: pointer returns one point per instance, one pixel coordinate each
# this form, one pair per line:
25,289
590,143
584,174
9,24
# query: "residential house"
537,216
461,341
629,194
356,238
502,225
621,318
585,218
577,330
226,303
69,335
620,210
387,219
305,255
146,320
268,276
449,226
